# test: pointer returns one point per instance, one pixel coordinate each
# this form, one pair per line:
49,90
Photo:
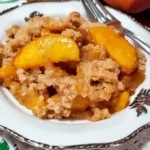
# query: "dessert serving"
70,68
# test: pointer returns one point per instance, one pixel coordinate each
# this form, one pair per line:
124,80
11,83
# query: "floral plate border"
83,146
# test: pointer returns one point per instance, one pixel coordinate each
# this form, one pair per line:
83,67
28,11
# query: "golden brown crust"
95,78
92,52
141,61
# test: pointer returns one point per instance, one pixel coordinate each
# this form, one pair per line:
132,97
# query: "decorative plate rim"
81,146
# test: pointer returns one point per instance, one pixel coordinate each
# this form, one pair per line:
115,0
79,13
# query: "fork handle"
137,38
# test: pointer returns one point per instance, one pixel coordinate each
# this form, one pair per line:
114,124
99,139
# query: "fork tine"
103,10
86,4
99,15
95,12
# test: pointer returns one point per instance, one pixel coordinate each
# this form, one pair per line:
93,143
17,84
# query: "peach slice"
7,71
134,80
117,47
56,28
120,102
52,48
80,103
54,25
32,100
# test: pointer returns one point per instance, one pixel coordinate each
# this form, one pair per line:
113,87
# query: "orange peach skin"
120,102
130,6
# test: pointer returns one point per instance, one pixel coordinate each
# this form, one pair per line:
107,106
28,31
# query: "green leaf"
4,145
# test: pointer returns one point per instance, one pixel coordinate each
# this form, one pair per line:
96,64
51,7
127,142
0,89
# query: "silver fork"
101,14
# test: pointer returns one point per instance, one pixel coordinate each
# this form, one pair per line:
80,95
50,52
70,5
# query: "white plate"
14,118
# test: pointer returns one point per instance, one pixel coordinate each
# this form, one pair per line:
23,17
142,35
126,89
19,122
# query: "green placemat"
7,1
4,145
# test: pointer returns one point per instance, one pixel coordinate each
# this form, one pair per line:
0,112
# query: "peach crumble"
70,68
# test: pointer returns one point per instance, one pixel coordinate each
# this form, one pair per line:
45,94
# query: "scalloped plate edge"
84,146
